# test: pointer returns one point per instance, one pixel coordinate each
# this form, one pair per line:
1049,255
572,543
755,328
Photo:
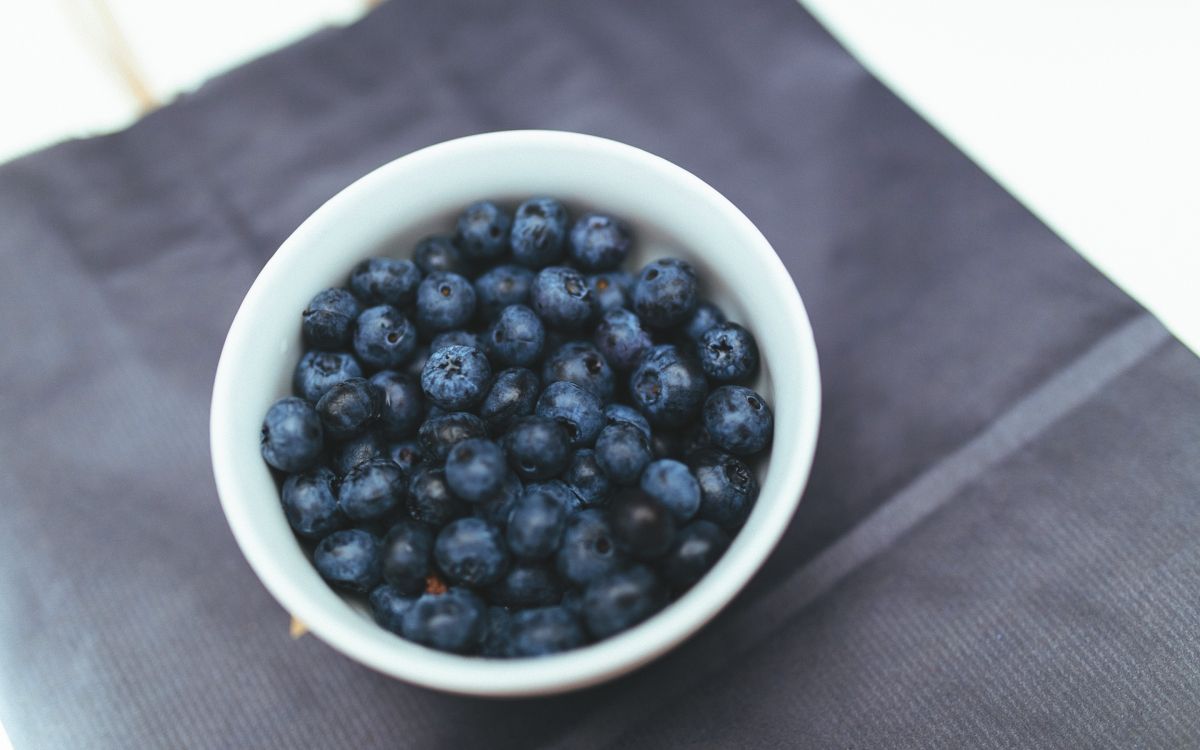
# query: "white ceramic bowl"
672,212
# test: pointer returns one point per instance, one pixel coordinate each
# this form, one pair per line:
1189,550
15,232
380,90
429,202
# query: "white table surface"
1088,111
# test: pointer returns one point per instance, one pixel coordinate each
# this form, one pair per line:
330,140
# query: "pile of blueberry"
546,449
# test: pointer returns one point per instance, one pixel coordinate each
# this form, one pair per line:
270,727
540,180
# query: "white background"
1087,110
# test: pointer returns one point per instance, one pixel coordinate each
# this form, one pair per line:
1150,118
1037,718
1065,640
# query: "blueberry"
445,301
385,281
349,408
359,449
372,490
417,363
561,296
611,290
727,353
643,526
497,629
403,404
679,444
670,482
453,621
384,338
588,550
440,434
527,585
495,509
456,338
388,606
559,490
512,396
667,444
696,548
317,372
665,293
537,448
738,420
439,254
695,439
292,437
475,469
581,363
327,320
621,600
483,230
555,339
494,514
668,387
500,287
621,339
407,553
727,487
539,231
705,316
587,479
599,242
456,377
409,455
622,452
471,551
572,601
614,413
576,409
310,504
430,499
349,559
548,630
535,524
516,337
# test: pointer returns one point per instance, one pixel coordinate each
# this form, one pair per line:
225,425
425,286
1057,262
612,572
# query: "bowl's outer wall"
671,212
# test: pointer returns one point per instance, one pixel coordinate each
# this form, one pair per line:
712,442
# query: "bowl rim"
575,669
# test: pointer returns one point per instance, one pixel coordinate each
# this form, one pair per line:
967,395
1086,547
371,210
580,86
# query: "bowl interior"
671,213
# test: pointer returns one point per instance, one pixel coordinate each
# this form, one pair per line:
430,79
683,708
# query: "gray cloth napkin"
998,546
